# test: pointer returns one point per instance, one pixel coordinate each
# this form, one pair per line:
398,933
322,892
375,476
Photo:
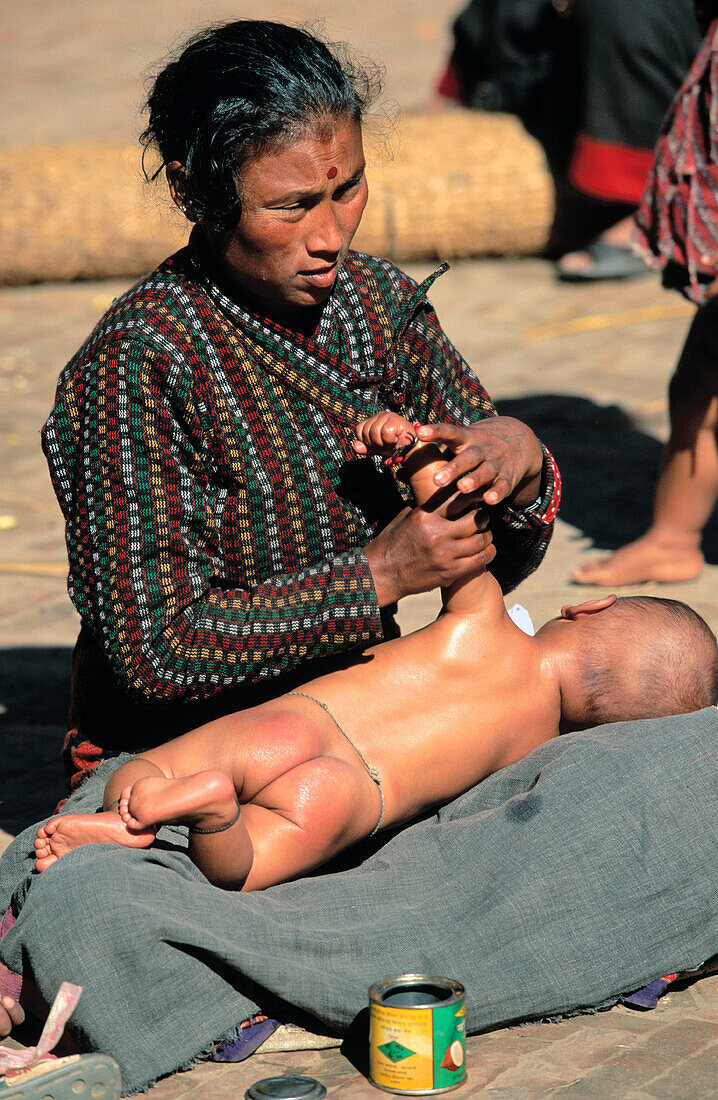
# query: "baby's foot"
61,834
206,800
648,559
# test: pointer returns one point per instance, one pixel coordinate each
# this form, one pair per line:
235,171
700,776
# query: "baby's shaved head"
649,658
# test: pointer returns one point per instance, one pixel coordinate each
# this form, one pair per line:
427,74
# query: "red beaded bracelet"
401,453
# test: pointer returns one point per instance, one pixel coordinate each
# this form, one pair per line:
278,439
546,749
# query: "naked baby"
275,791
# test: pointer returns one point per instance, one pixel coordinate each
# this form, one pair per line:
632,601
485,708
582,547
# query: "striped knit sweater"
215,511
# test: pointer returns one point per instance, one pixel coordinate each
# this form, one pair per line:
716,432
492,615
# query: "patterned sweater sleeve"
447,390
146,564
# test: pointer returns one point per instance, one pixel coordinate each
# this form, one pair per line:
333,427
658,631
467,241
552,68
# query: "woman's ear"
589,607
176,179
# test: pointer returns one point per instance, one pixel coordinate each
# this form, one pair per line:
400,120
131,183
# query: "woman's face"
301,205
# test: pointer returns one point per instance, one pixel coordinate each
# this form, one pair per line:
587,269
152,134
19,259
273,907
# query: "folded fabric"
250,1035
62,1008
557,885
648,996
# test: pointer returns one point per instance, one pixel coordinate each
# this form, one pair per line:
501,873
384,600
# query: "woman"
222,532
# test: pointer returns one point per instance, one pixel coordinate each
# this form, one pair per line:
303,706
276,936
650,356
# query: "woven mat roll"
456,184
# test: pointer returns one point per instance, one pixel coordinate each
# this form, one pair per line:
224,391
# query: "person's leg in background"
630,62
687,487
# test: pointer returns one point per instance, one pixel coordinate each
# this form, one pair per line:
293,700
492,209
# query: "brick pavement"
587,367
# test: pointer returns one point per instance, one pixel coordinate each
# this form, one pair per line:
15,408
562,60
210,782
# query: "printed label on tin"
449,1045
401,1048
417,1050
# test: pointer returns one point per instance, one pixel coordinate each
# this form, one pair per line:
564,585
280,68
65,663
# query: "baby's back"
439,710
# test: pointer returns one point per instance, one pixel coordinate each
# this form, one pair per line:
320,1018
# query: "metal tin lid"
286,1088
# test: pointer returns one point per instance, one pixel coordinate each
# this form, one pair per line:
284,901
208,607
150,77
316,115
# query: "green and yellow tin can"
417,1034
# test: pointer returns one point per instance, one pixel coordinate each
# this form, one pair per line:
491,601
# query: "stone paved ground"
587,367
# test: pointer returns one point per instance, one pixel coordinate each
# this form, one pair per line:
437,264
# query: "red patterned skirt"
677,221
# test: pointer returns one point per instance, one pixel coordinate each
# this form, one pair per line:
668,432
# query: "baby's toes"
127,815
45,862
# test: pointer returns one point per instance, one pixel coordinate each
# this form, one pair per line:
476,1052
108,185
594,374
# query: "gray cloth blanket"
580,873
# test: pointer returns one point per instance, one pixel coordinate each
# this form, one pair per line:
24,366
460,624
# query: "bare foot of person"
61,834
206,800
648,559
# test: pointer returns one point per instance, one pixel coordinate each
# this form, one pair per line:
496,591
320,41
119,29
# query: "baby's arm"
391,435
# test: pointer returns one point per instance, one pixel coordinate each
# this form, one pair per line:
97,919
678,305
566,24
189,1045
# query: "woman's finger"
485,474
11,1015
450,434
468,526
481,476
476,545
460,465
500,489
461,503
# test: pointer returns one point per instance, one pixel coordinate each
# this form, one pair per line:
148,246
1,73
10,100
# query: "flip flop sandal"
610,261
77,1077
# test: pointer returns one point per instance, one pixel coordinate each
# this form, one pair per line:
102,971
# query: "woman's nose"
325,234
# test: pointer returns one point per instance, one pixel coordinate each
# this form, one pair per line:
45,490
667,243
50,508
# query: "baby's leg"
306,817
61,834
306,794
207,803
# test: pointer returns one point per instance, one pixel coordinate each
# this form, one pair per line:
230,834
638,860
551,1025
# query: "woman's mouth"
321,276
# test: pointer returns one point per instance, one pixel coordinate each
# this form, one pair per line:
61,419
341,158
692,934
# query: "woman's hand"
447,538
430,546
500,458
11,1015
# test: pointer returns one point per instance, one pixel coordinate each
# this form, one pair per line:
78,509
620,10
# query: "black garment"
609,69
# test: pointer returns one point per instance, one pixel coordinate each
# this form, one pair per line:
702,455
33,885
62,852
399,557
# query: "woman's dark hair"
236,90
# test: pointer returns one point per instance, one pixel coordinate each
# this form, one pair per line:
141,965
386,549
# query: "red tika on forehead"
331,172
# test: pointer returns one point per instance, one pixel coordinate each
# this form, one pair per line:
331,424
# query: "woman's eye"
349,189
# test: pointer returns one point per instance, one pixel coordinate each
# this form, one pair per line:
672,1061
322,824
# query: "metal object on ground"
288,1087
417,1034
78,1075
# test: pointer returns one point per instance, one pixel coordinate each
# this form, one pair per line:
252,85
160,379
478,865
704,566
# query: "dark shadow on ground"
609,466
34,692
